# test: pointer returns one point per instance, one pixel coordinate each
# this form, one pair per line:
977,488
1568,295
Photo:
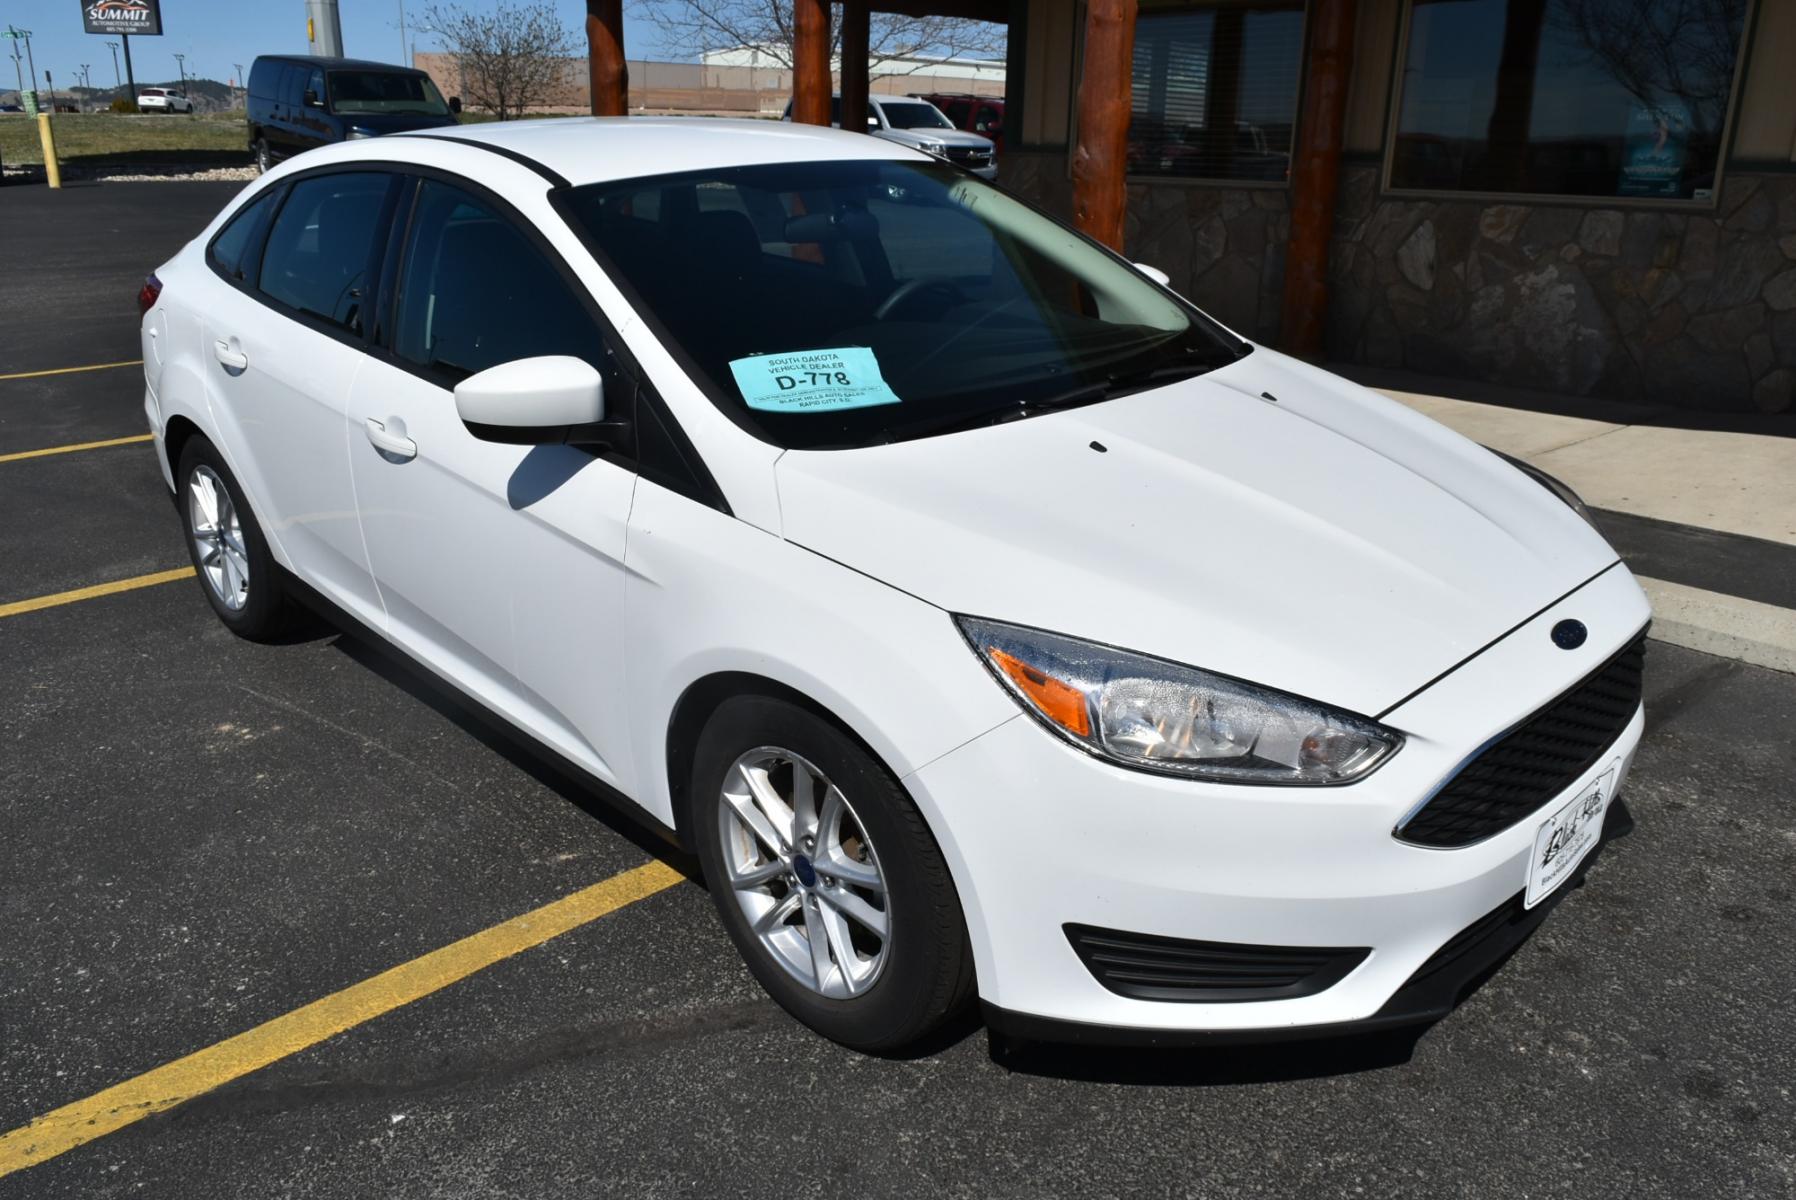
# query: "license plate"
1567,836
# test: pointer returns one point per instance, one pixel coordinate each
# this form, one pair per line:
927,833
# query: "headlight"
358,132
1554,485
936,148
1154,715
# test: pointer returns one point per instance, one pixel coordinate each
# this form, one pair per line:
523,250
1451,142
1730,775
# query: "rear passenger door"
500,566
284,339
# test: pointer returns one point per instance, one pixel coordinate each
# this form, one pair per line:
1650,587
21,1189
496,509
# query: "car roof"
330,64
601,149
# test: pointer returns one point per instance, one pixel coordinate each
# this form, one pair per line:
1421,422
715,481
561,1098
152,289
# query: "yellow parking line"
130,362
98,589
174,1083
16,455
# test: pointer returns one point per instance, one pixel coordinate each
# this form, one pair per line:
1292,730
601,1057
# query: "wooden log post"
855,83
1315,177
1101,157
810,61
608,73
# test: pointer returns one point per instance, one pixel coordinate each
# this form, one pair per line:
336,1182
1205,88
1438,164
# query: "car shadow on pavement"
608,807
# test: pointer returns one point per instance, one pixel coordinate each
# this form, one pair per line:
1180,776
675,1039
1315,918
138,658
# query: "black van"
298,101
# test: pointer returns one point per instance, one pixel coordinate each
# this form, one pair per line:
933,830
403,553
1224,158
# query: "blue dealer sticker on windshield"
812,380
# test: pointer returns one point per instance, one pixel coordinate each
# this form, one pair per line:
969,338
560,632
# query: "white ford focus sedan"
989,620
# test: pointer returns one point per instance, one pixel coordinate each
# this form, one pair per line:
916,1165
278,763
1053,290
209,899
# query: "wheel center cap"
807,874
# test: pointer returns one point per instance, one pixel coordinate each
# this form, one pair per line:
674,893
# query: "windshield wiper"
1120,383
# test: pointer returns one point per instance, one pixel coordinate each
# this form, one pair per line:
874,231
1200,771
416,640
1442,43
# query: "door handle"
389,443
231,360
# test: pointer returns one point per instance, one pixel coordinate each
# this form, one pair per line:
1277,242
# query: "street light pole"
87,83
242,83
130,76
12,35
30,63
117,83
404,57
181,62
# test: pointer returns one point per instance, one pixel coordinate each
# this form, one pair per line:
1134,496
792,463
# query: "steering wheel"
910,288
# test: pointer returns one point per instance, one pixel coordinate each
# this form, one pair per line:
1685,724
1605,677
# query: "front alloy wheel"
826,876
803,870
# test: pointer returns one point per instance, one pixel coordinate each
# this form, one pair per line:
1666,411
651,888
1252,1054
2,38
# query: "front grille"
1535,761
1146,967
969,156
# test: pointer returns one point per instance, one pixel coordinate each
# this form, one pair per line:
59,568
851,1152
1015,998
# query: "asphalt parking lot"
199,835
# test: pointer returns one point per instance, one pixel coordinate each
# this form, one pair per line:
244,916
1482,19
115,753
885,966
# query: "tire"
897,989
264,162
236,572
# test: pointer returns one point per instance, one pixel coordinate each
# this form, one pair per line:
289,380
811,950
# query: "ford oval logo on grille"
1569,634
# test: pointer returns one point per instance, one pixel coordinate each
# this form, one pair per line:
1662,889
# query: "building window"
1215,90
1566,97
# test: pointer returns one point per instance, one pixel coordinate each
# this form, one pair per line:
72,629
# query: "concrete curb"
1761,634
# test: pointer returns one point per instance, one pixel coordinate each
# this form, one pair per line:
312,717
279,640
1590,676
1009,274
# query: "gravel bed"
134,173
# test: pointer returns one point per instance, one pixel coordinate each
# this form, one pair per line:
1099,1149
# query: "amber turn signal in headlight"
1161,716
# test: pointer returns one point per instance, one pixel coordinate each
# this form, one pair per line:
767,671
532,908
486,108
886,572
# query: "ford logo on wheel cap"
1569,634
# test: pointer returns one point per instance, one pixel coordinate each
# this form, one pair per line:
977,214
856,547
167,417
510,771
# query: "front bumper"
1043,836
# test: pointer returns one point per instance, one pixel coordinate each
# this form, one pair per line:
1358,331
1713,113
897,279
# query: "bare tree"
511,56
765,26
1663,50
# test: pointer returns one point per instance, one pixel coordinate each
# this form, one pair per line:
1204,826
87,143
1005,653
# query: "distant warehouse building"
1594,197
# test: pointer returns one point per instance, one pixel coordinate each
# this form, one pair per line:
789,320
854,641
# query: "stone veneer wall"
1684,309
1222,247
1691,310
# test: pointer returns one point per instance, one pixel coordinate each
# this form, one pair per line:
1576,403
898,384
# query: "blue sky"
215,34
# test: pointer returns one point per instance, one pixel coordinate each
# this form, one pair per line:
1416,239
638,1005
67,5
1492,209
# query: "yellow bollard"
52,169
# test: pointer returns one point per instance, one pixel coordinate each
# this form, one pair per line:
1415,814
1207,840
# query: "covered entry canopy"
1099,161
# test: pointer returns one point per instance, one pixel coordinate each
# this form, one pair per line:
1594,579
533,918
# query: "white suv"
163,100
987,618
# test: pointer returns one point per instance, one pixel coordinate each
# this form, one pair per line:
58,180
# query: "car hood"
395,122
1329,543
947,137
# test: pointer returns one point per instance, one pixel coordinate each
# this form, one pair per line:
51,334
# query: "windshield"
843,303
913,114
385,92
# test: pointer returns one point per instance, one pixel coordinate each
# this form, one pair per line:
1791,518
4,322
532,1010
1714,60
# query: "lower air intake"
1146,967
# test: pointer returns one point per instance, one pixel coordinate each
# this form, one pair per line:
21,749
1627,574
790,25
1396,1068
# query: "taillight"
146,295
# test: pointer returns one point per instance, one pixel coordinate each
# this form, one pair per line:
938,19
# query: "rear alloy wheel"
827,877
217,532
230,555
263,162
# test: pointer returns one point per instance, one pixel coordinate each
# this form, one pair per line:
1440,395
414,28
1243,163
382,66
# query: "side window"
239,234
319,248
474,292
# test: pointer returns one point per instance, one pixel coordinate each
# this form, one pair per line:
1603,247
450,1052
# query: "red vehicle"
977,114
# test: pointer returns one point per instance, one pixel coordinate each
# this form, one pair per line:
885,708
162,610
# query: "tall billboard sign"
122,16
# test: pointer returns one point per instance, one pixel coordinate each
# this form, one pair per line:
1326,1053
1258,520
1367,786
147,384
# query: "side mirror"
455,105
311,99
531,402
1155,273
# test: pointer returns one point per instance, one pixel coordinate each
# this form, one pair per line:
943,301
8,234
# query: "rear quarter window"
240,234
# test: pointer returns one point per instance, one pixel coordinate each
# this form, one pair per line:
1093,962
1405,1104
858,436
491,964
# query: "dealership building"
1589,197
